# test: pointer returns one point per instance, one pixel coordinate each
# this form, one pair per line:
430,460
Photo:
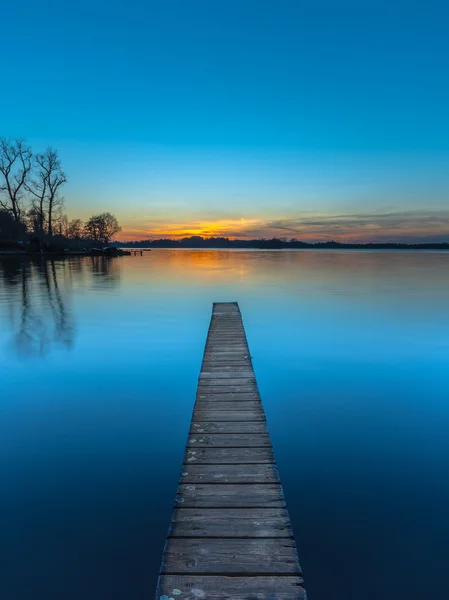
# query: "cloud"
407,226
412,226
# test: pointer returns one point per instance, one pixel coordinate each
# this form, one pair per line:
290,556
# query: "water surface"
99,362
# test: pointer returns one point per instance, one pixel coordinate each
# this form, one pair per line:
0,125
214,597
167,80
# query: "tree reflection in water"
38,298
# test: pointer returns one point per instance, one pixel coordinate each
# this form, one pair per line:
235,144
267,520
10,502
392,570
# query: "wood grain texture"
232,354
227,415
218,404
229,440
194,587
241,473
225,396
226,366
219,388
226,556
230,536
228,456
228,427
231,522
227,495
238,376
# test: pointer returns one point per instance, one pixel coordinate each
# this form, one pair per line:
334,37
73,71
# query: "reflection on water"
37,299
38,309
351,354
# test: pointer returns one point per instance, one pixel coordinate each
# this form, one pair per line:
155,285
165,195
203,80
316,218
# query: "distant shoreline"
123,249
274,244
49,255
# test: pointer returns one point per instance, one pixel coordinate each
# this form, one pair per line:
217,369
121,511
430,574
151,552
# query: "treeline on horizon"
275,244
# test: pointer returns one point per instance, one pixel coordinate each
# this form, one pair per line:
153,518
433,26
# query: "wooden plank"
220,351
226,347
229,456
228,393
227,339
235,331
226,415
225,396
230,328
216,404
194,587
230,556
237,376
223,386
228,427
241,473
226,366
239,523
230,440
229,380
228,359
217,495
230,390
230,355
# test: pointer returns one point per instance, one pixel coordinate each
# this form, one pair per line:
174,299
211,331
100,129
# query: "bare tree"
102,228
75,229
37,187
16,161
50,165
44,189
62,224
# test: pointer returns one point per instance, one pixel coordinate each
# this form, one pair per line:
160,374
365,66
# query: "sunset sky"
317,119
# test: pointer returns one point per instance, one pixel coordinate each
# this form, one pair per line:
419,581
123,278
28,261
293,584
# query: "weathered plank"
228,427
234,330
238,522
226,389
226,415
230,440
230,537
220,373
226,346
227,396
216,404
230,556
227,365
230,355
217,495
241,473
193,587
229,456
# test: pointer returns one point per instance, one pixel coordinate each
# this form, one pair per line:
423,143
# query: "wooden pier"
230,536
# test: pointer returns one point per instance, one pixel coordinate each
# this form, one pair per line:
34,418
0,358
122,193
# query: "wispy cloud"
410,226
360,227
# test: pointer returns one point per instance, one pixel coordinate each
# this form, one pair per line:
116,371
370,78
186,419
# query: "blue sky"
243,118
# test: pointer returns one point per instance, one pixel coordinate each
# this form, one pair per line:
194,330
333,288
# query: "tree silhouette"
102,228
45,187
16,161
75,229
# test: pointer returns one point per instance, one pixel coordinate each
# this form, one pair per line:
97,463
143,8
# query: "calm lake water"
99,364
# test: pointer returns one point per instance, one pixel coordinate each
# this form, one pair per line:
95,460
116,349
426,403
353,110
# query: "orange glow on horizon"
230,228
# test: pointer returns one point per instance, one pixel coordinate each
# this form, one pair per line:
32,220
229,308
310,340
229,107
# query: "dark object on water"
108,251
